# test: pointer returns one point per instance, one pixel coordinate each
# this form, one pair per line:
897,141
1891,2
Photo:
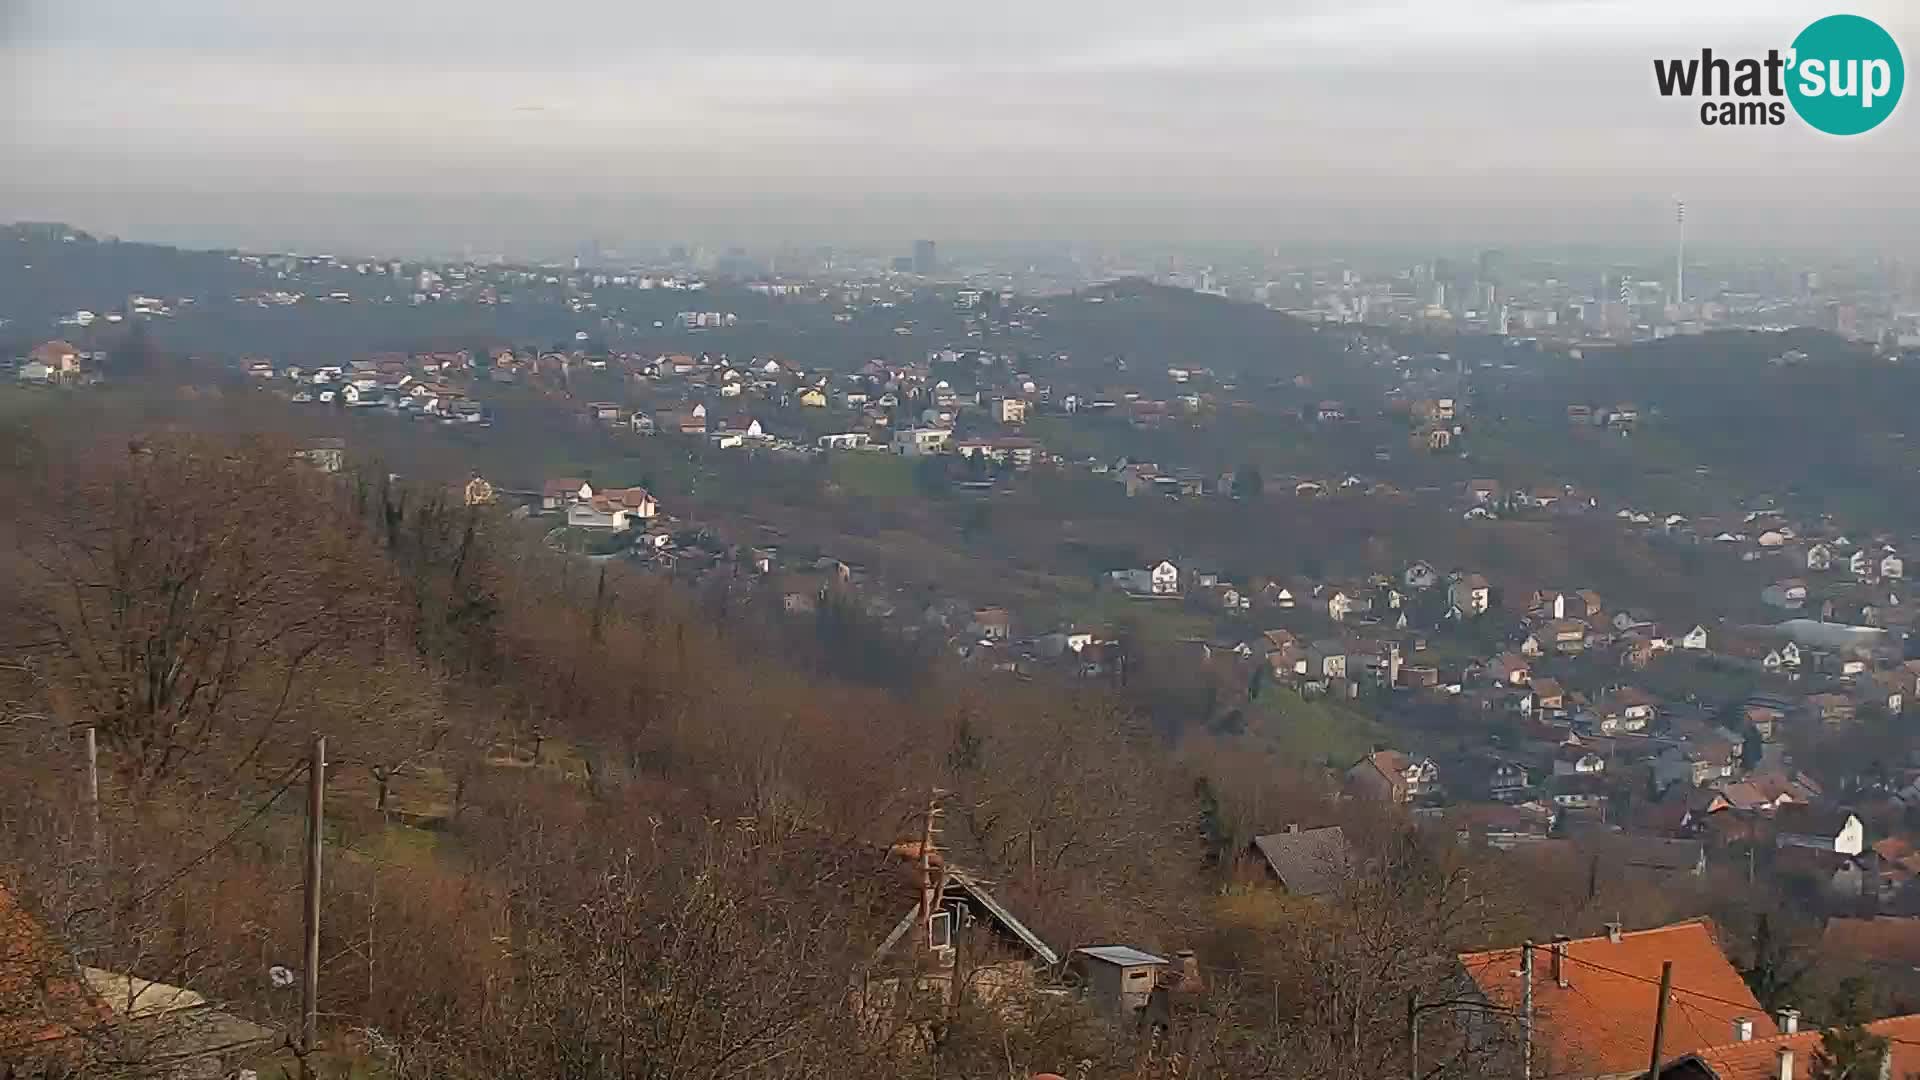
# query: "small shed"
1119,979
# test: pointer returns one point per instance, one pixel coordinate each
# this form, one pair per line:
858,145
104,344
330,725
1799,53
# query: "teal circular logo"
1846,75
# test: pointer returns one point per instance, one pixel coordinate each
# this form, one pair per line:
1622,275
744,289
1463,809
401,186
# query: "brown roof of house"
1310,862
1758,1058
42,997
1599,1023
1881,939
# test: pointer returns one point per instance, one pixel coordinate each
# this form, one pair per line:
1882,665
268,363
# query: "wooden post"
1526,1009
1413,1038
93,783
1660,1019
310,971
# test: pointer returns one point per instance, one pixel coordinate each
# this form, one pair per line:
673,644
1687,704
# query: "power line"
258,812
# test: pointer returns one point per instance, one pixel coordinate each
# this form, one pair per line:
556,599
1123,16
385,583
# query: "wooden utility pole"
1660,1019
310,970
1413,1037
1526,1009
93,783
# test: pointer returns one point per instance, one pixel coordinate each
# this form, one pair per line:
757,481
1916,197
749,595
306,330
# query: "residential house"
1624,710
1327,659
1763,793
1567,636
991,624
935,909
1791,1054
1420,575
1832,709
1837,831
1548,695
846,440
1566,605
920,441
615,509
326,455
1510,669
1391,776
1789,594
1592,997
1694,640
1664,856
1509,782
1313,863
1887,943
1573,759
59,1018
1819,557
1471,594
60,358
560,493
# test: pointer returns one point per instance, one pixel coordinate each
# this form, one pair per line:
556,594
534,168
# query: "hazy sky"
435,122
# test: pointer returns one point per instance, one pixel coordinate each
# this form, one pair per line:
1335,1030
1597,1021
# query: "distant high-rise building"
1493,267
925,257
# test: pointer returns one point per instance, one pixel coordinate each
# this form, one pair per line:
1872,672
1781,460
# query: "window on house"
940,930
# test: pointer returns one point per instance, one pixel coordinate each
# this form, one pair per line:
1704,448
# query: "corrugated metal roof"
1122,955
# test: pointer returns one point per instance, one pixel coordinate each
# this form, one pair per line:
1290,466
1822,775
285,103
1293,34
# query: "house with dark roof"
1664,856
1822,830
1593,998
1310,862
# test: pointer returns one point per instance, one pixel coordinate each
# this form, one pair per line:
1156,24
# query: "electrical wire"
260,811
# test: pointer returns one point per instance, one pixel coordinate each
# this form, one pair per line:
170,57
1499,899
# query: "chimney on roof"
1189,969
1742,1029
1784,1068
1558,964
1789,1021
1613,932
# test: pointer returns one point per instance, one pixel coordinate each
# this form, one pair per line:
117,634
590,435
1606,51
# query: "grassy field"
873,476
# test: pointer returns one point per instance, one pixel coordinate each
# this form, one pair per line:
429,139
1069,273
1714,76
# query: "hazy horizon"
529,129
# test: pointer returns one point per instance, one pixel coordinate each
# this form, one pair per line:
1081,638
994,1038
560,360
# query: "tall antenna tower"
1680,256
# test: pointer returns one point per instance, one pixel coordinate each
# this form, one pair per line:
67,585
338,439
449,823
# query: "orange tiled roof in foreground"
42,999
1759,1059
1601,1022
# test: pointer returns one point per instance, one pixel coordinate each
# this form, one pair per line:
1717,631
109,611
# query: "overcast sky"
440,122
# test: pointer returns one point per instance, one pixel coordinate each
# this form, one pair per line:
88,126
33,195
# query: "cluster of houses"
57,363
421,386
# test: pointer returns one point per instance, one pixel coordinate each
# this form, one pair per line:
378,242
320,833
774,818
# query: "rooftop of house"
1883,939
1597,1023
1759,1058
1308,862
1121,956
42,997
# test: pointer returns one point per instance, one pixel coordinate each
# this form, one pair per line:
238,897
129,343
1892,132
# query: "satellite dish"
280,976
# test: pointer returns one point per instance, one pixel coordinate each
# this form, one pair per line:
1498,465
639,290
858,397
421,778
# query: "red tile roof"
1601,1022
1885,939
42,998
1759,1058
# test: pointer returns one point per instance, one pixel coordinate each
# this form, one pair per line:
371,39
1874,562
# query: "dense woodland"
584,823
